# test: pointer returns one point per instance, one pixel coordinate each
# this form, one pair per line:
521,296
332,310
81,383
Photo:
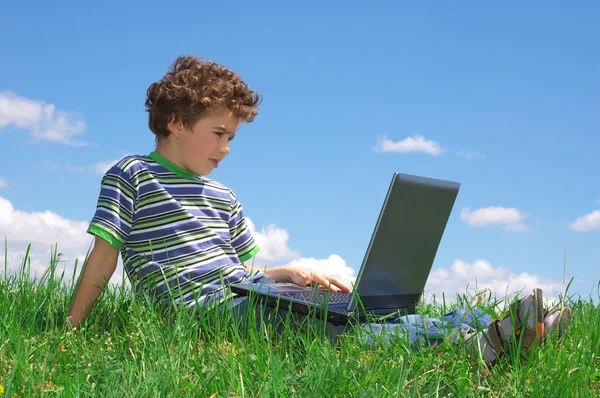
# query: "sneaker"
486,345
525,322
556,323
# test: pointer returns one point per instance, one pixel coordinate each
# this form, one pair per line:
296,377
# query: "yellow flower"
1,390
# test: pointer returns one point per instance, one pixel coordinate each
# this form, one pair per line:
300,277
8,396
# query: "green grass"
127,348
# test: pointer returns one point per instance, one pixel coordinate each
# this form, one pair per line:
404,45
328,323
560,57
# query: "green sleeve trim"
250,254
97,230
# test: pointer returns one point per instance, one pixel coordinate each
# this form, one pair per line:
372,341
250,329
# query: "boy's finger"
341,285
325,282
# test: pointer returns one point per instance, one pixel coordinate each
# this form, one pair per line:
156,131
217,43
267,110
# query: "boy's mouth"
214,162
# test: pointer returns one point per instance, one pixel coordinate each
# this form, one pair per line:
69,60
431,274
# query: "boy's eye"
219,134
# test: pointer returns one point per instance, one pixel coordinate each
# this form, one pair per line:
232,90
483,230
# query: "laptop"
396,264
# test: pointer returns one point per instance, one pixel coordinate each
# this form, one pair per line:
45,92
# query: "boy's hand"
304,276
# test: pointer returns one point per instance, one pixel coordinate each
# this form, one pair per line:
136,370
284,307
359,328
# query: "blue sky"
501,97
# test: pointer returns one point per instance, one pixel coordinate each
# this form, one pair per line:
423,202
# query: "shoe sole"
564,319
538,314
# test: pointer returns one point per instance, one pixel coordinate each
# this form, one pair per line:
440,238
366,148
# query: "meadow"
128,347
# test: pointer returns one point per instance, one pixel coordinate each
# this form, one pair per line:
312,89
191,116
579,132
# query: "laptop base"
336,314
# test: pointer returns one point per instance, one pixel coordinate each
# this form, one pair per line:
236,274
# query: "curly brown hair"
190,88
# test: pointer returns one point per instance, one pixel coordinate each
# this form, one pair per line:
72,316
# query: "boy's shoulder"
129,162
131,165
216,186
128,167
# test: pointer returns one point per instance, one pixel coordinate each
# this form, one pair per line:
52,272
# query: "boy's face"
206,143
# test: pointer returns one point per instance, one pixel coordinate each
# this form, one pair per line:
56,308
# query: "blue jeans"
419,329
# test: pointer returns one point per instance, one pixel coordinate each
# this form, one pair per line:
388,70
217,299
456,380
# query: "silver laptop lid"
405,241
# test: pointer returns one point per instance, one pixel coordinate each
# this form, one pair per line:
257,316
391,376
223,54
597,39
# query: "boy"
175,228
183,237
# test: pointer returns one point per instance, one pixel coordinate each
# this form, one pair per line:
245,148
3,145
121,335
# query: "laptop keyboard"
331,298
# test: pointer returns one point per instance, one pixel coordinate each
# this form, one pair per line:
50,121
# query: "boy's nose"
225,149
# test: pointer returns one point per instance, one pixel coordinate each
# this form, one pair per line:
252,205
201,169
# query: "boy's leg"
527,323
417,330
473,317
421,329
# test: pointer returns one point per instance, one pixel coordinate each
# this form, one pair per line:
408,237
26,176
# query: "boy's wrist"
279,274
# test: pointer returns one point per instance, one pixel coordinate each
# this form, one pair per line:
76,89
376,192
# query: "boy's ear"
175,126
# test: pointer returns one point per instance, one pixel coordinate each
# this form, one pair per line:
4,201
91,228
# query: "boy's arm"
99,268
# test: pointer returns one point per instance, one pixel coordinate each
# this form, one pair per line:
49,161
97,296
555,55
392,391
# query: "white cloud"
470,155
3,183
41,227
511,218
273,242
41,119
44,231
588,222
415,143
480,275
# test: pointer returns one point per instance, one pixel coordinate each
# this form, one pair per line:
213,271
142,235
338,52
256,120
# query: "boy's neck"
172,155
168,151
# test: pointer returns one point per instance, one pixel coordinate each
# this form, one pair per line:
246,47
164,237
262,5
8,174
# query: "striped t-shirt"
182,237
